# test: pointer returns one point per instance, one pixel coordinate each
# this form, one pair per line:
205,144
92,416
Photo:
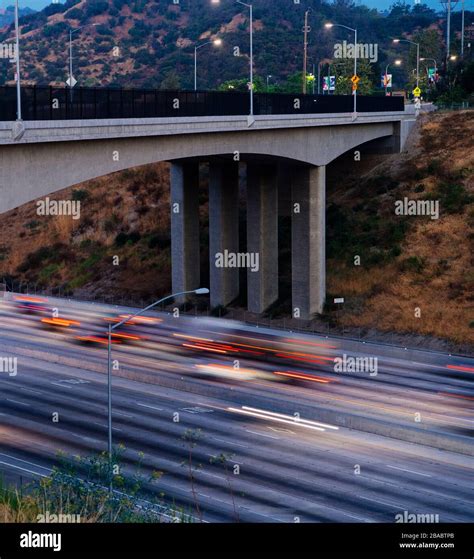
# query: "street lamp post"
250,7
18,78
417,56
71,33
269,77
200,291
329,26
215,42
397,63
306,30
432,60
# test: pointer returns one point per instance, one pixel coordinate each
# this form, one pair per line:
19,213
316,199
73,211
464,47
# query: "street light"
250,7
417,56
269,77
18,79
435,66
71,33
200,291
432,60
216,43
397,63
330,26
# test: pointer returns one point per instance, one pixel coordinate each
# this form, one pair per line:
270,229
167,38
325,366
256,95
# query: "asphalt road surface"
303,441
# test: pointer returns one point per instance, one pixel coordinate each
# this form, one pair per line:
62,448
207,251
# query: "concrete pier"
262,235
308,240
223,231
185,227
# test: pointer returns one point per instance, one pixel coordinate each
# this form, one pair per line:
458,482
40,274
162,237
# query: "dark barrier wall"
52,103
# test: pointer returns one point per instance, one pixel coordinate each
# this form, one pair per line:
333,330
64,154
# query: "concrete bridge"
283,152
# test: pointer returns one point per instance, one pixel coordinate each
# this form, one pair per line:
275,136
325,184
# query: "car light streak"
302,376
281,418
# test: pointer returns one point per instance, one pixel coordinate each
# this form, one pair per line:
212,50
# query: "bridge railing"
58,103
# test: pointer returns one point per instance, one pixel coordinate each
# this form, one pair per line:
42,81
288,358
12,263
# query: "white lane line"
354,516
262,434
399,507
17,402
31,390
24,461
231,443
84,438
23,469
212,475
281,430
123,414
106,426
409,471
62,385
150,407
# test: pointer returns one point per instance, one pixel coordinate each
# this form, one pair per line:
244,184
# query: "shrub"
412,264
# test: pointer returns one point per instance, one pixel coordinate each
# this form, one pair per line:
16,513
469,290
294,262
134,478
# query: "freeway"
304,441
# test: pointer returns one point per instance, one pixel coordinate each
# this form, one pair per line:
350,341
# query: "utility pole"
306,30
448,30
17,60
462,29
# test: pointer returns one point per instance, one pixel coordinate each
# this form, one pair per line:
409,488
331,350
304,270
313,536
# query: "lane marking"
61,385
398,507
24,461
23,469
31,390
409,471
123,414
230,443
262,434
18,402
150,407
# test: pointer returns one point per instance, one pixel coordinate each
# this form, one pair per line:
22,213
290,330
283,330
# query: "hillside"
7,15
151,42
405,262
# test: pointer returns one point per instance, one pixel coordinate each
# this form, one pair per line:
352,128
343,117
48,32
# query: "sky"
379,4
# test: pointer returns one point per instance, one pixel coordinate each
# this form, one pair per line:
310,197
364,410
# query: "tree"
344,70
171,81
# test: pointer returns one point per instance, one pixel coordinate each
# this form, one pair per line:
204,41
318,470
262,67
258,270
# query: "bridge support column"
185,258
223,232
308,238
262,236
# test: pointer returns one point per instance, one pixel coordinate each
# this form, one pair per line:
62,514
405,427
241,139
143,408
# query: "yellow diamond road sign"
417,92
355,79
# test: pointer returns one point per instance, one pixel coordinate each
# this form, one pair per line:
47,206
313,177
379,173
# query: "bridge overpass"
283,152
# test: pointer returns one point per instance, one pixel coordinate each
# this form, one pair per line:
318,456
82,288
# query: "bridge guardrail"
59,103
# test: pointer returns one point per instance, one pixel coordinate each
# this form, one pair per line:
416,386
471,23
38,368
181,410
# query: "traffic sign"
417,92
71,82
355,79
